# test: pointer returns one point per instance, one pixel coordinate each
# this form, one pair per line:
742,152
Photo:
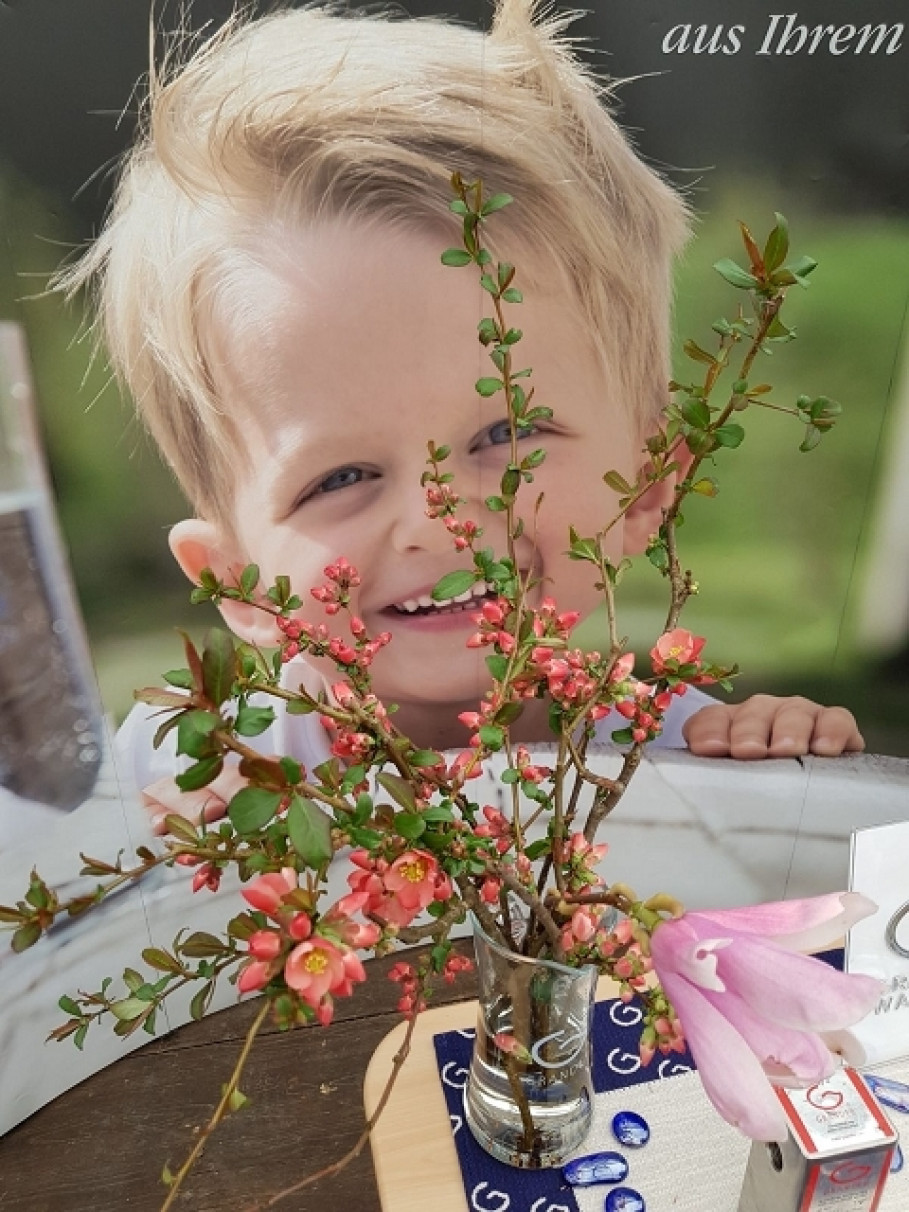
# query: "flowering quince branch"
422,851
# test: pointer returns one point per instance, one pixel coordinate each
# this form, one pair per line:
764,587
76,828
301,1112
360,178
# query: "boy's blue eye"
342,477
499,434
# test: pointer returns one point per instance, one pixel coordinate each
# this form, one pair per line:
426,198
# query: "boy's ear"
197,544
644,517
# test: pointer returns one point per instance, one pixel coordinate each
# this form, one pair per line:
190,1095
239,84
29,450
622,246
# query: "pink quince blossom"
317,967
413,880
753,1010
677,647
268,891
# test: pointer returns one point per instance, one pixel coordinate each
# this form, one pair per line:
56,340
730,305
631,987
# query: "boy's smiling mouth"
423,605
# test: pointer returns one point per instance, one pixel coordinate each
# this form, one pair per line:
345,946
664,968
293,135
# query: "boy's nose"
413,530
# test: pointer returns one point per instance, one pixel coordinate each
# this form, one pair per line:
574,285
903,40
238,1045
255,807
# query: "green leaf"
194,729
810,440
79,1037
425,758
299,707
438,814
509,712
495,504
487,331
512,295
622,736
497,666
801,267
694,351
353,775
252,721
68,1006
133,980
219,665
237,1100
410,825
706,487
779,332
180,827
309,829
249,579
537,849
201,774
399,789
696,412
200,1001
181,678
511,482
777,246
496,202
202,945
488,386
128,1009
731,435
252,808
162,961
456,257
492,736
735,275
452,585
617,483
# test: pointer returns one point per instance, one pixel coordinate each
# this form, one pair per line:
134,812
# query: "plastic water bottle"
50,712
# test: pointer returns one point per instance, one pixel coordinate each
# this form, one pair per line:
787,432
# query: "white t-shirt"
303,737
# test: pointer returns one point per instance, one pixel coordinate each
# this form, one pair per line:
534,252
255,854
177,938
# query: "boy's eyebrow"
296,459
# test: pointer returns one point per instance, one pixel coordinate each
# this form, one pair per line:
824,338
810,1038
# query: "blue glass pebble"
595,1168
624,1199
896,1161
889,1091
630,1129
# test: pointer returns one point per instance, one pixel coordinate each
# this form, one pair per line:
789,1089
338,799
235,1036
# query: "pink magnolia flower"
752,1009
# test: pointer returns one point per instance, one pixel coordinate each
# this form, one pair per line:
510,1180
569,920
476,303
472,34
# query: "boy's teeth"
424,602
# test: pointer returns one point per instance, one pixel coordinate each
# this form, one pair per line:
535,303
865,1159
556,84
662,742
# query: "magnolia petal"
798,925
788,1057
676,947
845,1044
732,1076
796,990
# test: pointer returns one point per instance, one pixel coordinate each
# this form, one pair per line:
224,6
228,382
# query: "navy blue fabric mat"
490,1185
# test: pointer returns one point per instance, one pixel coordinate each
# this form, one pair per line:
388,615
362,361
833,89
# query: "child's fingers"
207,804
707,732
836,732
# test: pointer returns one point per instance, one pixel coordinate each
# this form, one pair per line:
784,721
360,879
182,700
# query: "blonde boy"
270,291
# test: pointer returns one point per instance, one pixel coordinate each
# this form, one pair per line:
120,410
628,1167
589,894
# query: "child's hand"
766,726
207,804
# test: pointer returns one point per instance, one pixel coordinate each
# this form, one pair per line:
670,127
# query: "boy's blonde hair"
315,112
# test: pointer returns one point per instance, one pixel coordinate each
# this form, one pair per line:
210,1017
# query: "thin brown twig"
329,1171
220,1110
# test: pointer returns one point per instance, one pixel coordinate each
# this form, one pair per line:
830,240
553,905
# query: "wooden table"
763,831
101,1147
